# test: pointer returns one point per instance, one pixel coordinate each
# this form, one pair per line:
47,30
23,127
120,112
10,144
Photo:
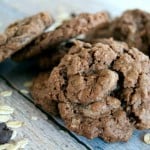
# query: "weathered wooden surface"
42,133
47,134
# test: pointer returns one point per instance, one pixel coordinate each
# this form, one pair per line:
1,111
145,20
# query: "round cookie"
39,92
80,24
22,32
131,27
83,75
90,73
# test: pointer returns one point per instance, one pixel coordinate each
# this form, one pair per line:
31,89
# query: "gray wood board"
42,134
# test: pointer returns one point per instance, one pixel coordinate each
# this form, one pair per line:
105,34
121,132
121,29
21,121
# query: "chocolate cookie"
48,61
80,24
83,75
40,94
99,32
94,74
132,27
52,58
135,68
39,88
21,33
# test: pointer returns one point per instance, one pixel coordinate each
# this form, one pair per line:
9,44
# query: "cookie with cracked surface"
92,71
80,24
82,83
135,68
22,32
103,119
131,27
39,92
83,75
39,89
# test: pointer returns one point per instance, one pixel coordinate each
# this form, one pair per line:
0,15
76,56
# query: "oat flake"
4,118
24,91
15,124
15,145
6,110
6,93
147,138
34,118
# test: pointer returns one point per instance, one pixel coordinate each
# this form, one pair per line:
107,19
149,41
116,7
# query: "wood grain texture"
43,134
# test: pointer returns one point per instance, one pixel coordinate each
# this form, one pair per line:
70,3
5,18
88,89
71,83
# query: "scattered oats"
15,124
23,143
4,146
6,110
4,118
13,135
27,84
24,91
6,93
34,118
147,138
14,145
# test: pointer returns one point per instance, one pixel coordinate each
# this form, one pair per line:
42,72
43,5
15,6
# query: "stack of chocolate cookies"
100,85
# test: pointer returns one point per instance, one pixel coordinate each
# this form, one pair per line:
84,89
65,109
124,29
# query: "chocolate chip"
5,133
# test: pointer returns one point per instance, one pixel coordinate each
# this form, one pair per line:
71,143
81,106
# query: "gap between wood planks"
49,116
